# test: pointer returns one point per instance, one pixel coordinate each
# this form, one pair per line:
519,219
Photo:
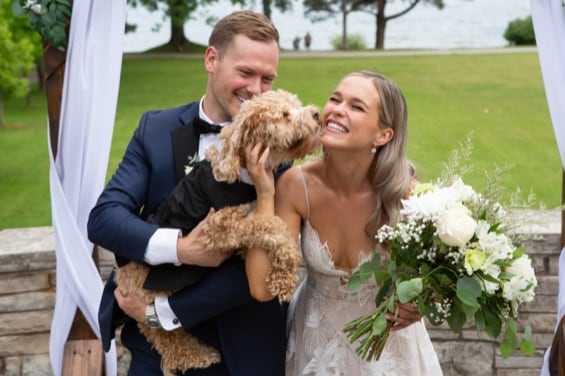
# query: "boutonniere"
192,159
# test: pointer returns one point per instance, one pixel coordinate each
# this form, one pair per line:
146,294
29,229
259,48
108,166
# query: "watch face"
151,318
152,323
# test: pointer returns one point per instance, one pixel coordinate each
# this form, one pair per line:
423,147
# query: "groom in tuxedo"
241,61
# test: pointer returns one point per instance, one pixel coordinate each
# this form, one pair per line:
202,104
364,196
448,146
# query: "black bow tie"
203,127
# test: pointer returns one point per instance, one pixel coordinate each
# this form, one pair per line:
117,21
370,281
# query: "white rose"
455,226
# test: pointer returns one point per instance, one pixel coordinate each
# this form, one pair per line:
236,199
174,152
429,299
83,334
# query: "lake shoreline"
353,54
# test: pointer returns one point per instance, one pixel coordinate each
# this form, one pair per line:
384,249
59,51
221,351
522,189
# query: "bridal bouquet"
451,256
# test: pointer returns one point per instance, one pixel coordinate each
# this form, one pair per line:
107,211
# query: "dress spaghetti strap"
305,193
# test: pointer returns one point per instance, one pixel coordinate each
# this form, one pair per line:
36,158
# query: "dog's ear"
226,165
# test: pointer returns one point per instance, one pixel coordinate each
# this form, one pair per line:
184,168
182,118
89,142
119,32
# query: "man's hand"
131,304
191,249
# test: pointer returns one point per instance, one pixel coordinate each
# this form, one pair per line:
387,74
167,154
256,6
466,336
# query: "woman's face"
351,115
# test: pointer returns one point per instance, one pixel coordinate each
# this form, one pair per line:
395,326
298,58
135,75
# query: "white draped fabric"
549,25
78,174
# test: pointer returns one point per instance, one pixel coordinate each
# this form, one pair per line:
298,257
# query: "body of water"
460,24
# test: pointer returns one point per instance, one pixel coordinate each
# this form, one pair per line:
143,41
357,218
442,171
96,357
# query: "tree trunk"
2,118
345,43
54,73
178,41
39,69
381,25
267,8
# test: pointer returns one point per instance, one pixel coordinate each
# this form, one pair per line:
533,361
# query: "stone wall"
27,298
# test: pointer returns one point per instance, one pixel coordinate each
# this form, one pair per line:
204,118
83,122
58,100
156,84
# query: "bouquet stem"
371,341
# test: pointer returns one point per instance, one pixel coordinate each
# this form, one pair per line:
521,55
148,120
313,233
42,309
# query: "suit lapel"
185,141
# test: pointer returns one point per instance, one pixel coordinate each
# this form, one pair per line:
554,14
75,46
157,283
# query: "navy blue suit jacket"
219,310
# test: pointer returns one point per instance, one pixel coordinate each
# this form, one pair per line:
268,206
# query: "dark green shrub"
520,32
355,42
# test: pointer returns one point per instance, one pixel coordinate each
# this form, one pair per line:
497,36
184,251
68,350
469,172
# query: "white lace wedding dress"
321,307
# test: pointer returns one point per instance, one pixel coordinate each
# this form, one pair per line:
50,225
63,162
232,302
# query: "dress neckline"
361,259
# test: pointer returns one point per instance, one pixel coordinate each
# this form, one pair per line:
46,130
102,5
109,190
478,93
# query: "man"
241,61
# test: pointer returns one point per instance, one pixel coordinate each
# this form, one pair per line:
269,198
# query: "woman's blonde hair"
391,173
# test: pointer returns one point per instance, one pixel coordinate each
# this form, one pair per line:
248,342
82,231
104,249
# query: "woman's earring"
374,150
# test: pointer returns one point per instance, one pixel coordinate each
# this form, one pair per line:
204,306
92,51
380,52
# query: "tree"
377,8
319,10
181,11
282,5
17,51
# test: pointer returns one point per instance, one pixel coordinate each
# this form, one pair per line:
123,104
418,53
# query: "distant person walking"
307,40
296,43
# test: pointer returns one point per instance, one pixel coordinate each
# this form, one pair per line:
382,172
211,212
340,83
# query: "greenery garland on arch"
48,17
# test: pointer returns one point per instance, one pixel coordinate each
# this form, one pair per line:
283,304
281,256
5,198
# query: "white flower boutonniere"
192,159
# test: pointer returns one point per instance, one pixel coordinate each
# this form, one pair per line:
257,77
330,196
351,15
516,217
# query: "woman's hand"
262,175
407,315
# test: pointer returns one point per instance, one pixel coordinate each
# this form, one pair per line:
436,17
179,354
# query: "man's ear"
211,57
384,136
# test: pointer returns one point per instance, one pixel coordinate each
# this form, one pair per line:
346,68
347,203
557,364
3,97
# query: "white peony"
521,285
462,191
455,226
496,246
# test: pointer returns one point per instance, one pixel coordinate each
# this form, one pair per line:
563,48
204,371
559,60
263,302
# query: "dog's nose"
316,115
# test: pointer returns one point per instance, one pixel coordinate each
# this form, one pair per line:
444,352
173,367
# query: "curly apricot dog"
291,131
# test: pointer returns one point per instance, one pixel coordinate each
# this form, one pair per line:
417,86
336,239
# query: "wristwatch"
151,318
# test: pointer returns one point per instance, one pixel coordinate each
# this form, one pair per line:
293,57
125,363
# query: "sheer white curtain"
77,176
549,26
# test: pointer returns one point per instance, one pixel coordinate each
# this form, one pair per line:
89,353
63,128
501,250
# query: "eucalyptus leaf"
518,252
480,320
457,318
527,347
509,343
493,321
17,8
379,325
408,290
468,290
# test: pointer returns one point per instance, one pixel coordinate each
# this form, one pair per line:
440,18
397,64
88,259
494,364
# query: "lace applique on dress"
319,310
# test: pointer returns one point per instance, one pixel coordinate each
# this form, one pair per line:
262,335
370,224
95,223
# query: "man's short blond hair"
255,26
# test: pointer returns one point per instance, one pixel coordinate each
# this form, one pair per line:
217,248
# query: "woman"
336,204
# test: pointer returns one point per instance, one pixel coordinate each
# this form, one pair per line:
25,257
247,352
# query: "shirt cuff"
167,317
162,247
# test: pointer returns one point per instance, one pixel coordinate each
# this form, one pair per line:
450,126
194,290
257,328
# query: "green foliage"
17,60
49,18
448,96
520,32
355,42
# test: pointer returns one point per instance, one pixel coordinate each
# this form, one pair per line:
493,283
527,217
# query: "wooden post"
563,211
557,354
83,353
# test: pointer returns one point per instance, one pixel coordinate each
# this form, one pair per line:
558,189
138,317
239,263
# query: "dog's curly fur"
280,121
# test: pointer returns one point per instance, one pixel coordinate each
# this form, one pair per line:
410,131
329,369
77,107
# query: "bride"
336,204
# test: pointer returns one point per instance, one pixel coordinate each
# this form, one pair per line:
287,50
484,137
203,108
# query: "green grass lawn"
498,97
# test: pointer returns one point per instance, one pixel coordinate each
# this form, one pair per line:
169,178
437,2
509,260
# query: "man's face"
247,68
